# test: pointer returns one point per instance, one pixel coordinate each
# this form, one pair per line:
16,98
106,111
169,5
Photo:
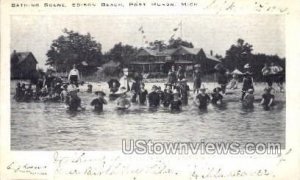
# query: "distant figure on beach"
233,83
99,101
143,94
248,99
197,78
123,102
217,98
18,93
267,99
247,84
49,80
180,73
176,103
125,80
40,83
153,97
222,80
172,76
202,99
168,95
278,75
135,88
74,76
266,72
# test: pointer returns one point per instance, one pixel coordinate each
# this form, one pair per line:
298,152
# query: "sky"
265,32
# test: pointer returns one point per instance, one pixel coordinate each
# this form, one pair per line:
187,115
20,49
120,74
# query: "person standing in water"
143,94
267,99
248,99
176,103
202,99
74,76
247,84
153,97
180,73
217,98
99,101
172,76
74,101
122,101
124,80
197,78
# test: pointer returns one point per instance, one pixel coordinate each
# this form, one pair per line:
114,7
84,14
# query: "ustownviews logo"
142,146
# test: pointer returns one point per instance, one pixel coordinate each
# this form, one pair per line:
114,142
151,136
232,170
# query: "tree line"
82,49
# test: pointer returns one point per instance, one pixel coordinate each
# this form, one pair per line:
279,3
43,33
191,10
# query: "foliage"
238,54
158,44
175,43
121,53
73,48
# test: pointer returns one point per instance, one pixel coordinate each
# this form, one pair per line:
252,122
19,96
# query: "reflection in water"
49,126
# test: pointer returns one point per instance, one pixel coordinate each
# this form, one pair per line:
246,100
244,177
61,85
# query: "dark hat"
100,92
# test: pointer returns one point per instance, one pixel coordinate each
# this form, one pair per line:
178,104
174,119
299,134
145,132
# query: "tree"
73,48
238,54
121,53
158,45
175,43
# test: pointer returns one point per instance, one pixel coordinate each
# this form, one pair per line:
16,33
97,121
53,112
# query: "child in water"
143,94
217,98
267,99
122,101
202,99
176,103
99,101
248,99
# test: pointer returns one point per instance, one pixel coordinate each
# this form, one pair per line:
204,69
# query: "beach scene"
76,88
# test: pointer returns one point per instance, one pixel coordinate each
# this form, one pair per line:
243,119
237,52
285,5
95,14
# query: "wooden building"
23,65
148,60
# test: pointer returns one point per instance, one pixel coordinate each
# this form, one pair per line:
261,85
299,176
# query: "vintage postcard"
110,89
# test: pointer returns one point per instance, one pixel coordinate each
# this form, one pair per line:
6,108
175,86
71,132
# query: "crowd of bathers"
176,92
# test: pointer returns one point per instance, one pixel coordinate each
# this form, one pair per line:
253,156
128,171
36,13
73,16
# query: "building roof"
185,50
213,58
22,56
181,50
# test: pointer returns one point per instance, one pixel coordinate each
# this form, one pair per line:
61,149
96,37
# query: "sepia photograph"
98,83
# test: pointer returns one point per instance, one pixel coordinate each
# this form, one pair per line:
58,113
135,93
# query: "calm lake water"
48,126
